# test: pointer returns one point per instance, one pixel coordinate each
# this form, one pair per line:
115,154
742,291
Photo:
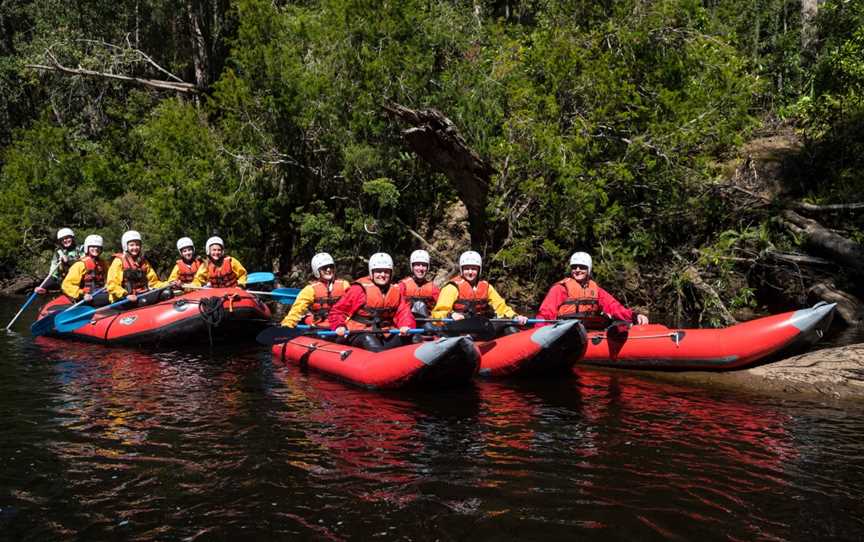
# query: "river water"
107,443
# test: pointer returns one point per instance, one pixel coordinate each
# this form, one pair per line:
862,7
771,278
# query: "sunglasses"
326,267
579,267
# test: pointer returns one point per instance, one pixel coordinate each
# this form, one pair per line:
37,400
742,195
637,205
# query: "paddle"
494,320
277,335
32,296
260,277
46,325
285,296
80,316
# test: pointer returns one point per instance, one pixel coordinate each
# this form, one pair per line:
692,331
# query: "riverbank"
835,373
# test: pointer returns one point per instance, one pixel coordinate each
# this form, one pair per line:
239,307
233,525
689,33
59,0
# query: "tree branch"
183,88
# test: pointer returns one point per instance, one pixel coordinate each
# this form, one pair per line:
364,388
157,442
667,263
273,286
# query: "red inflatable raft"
537,351
659,347
199,314
442,362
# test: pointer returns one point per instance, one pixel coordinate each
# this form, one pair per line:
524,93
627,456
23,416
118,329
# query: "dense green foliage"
604,120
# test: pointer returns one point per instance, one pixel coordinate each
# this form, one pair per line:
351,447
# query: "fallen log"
436,139
849,307
839,248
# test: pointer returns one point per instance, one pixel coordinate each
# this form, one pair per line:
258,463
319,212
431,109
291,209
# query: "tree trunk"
842,250
200,56
809,11
436,139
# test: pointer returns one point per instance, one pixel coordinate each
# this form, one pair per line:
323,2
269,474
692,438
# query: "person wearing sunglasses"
315,300
578,296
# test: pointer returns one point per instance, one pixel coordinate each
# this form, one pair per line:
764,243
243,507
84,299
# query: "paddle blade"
278,334
481,328
73,319
258,278
285,296
43,326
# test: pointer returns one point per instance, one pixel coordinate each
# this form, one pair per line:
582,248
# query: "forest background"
617,127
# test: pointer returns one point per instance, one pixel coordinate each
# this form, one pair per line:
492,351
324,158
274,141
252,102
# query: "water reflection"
112,443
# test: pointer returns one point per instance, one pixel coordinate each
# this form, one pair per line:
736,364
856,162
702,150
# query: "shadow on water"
105,443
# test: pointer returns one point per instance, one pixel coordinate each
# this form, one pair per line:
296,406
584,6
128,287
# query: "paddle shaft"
493,320
33,295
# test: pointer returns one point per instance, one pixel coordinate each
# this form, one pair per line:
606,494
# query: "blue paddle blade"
73,319
43,326
257,278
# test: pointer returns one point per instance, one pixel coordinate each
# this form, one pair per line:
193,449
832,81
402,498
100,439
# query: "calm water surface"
107,443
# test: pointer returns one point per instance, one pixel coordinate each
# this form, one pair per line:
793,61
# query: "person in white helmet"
467,296
420,292
65,255
188,264
130,273
578,296
373,303
315,300
221,271
88,274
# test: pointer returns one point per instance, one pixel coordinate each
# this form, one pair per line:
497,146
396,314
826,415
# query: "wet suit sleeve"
404,317
71,284
300,306
114,281
612,307
449,294
549,308
353,299
175,273
201,276
240,271
499,305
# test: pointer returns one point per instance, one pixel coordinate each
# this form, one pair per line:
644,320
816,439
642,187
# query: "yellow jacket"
202,276
301,305
449,294
114,281
71,285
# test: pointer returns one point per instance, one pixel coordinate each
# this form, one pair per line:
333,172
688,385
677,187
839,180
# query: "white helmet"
470,258
92,241
322,259
64,232
581,258
214,241
184,242
419,256
130,235
380,260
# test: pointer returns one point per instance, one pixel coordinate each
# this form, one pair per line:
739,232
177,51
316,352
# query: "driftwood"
812,207
436,139
849,307
842,250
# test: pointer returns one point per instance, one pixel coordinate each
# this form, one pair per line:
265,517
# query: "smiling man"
373,303
578,296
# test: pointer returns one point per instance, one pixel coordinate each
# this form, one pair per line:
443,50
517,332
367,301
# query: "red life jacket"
583,302
472,301
428,293
325,297
94,275
380,308
185,271
222,276
134,272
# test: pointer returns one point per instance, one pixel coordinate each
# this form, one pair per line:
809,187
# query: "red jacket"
608,304
354,298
